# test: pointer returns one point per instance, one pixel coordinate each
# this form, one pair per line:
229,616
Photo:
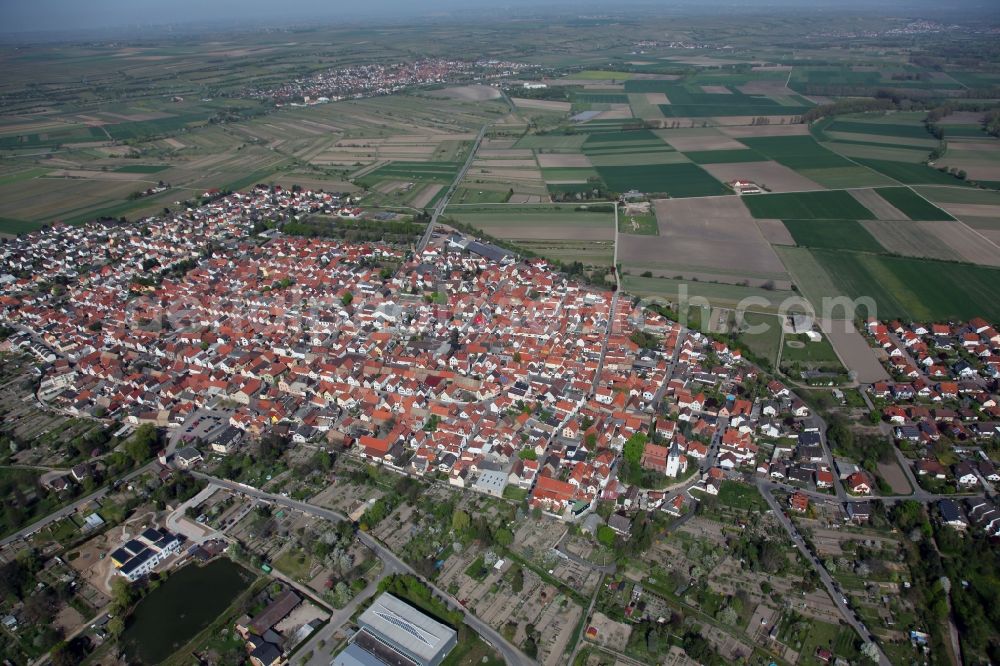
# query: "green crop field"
690,101
912,204
141,168
915,131
553,142
677,180
832,205
797,152
910,174
723,294
591,97
725,156
833,234
14,227
601,75
434,172
915,289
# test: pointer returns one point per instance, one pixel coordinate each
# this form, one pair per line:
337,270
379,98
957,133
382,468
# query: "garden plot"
770,175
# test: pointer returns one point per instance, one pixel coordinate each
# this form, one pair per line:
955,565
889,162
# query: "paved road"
443,201
392,564
71,508
923,496
838,599
321,656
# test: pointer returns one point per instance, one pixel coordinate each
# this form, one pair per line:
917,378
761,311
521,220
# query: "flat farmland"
724,156
910,174
915,289
912,204
804,155
692,101
796,152
960,195
517,223
882,209
833,234
435,172
775,177
914,130
552,142
703,236
704,141
674,291
676,180
833,205
542,105
868,151
909,239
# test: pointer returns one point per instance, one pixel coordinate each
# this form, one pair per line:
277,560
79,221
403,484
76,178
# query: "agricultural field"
910,174
913,288
712,239
810,159
688,100
675,291
832,234
675,180
911,204
560,232
832,205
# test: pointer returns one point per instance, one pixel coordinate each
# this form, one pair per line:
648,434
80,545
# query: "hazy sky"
80,15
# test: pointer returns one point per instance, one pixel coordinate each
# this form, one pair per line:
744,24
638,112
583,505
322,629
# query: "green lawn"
832,205
644,225
741,496
763,344
912,204
833,234
294,563
811,353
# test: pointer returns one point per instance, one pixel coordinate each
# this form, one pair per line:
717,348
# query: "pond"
187,602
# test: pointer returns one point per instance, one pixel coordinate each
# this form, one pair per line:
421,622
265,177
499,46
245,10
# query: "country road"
393,564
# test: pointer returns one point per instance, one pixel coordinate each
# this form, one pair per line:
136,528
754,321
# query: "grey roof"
405,627
355,656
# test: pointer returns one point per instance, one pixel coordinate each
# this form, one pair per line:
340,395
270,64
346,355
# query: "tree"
870,650
346,299
632,451
460,521
116,626
140,447
504,537
517,579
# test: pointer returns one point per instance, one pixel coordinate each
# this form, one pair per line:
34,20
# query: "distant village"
371,80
